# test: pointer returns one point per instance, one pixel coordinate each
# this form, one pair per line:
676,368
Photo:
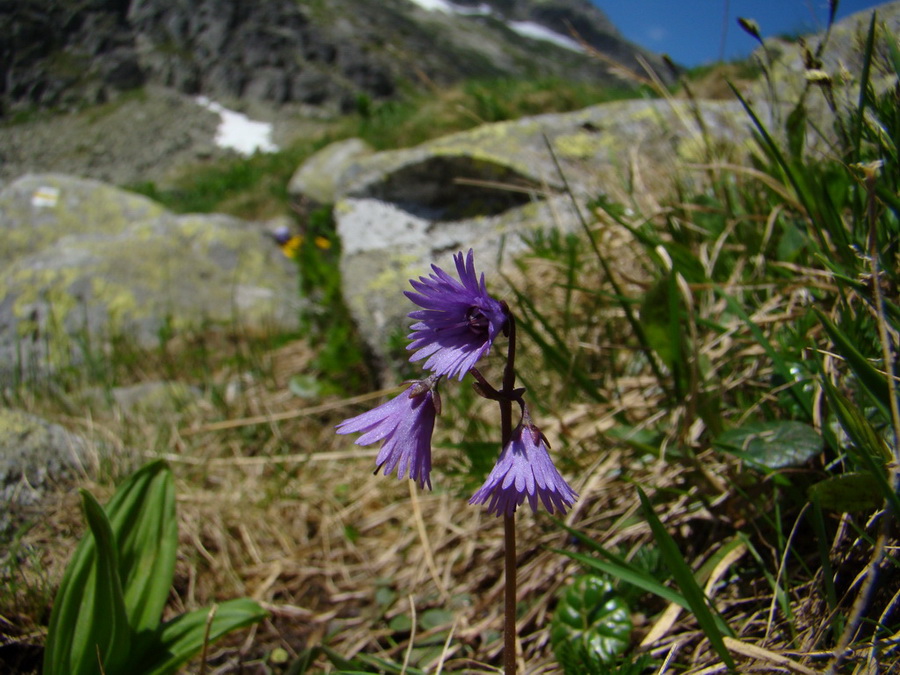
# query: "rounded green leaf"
773,445
848,493
591,625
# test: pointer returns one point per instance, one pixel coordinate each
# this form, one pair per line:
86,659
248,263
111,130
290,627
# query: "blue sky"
691,31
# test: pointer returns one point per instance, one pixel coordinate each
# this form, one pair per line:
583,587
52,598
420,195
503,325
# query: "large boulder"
36,211
126,267
493,186
315,181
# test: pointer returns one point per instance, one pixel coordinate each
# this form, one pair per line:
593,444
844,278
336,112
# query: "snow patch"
528,29
536,31
435,6
238,132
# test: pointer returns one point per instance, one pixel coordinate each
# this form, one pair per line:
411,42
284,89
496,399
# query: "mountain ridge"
311,52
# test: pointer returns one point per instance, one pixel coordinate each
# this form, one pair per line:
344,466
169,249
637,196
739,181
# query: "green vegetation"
107,615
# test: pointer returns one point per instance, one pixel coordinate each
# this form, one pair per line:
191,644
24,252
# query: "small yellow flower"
291,247
323,243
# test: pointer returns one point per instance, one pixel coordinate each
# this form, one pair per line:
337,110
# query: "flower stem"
509,625
509,521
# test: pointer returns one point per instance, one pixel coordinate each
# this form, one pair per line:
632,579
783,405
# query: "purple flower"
458,320
525,469
404,425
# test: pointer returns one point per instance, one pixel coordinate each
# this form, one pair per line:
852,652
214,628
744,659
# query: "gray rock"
36,457
316,179
493,186
132,273
37,211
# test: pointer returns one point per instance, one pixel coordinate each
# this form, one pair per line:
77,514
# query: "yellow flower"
291,247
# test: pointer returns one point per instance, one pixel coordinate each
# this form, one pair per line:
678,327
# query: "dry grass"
288,513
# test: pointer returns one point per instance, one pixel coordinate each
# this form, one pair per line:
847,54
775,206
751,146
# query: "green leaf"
142,516
183,637
773,445
848,493
591,625
711,625
435,618
89,631
657,321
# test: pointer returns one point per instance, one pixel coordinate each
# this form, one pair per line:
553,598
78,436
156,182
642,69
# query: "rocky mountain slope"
65,53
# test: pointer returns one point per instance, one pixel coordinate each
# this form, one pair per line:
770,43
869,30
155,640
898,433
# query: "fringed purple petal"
524,470
458,321
404,425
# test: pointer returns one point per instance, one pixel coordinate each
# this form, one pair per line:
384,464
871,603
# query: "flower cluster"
456,327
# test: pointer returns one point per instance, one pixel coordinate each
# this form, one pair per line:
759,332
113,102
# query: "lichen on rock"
129,268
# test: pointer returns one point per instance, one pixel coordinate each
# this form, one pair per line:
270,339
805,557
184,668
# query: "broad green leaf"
89,631
110,634
66,608
630,575
142,516
848,493
591,625
183,637
773,445
435,618
711,625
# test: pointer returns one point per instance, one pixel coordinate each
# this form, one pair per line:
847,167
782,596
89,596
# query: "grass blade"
873,381
713,626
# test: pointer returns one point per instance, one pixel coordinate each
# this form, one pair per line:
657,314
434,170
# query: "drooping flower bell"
525,470
404,426
458,321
